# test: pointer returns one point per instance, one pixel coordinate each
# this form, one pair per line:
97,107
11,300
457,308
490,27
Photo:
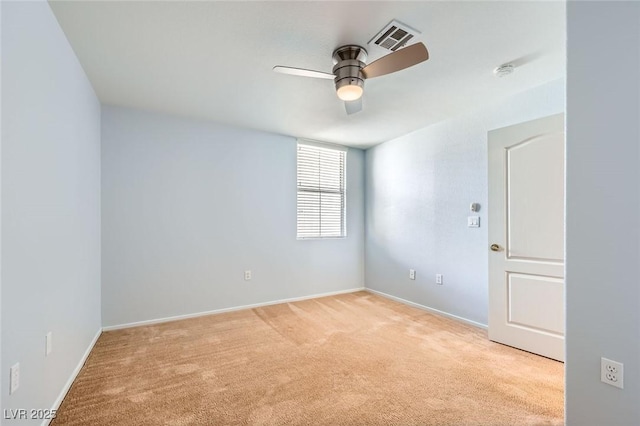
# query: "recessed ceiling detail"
394,36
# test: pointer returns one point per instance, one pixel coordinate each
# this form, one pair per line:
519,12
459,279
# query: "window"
321,191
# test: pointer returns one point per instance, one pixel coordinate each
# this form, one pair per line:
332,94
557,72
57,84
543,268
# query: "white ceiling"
213,60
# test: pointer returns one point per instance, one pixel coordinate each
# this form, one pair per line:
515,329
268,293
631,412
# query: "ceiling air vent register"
394,36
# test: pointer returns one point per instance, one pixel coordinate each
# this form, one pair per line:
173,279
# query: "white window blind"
321,192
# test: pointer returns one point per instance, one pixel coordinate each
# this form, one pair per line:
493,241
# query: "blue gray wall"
189,205
50,206
418,191
603,210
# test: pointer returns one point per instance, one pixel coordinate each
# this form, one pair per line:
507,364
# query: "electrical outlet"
48,343
612,372
247,275
439,279
412,274
14,378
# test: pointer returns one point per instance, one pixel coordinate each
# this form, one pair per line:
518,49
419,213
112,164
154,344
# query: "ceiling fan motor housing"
349,61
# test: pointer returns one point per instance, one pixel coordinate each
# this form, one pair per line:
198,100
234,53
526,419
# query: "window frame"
330,147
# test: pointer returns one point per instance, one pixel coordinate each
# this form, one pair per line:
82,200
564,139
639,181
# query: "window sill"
321,238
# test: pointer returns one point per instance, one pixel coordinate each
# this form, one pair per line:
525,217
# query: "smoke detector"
503,70
393,36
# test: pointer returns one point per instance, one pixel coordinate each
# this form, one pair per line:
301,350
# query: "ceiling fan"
350,70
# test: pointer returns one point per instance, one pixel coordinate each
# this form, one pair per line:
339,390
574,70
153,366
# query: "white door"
526,236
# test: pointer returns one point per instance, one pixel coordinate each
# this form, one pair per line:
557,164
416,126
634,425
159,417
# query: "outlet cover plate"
612,372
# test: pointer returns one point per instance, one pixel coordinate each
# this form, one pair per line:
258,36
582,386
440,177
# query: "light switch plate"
473,221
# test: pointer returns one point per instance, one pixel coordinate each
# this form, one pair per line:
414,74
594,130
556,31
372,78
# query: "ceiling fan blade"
302,72
396,61
353,106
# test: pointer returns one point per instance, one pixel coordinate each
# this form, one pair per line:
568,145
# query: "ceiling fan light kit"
349,61
350,92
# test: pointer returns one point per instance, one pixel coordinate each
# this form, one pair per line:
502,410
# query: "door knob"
495,247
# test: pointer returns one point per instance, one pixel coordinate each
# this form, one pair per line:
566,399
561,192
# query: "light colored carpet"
342,360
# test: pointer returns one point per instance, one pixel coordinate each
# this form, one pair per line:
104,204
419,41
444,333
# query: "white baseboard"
223,310
73,376
427,308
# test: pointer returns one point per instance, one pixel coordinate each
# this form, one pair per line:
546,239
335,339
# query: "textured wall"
603,207
50,206
418,191
188,206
